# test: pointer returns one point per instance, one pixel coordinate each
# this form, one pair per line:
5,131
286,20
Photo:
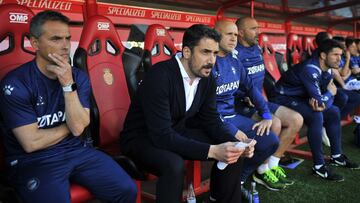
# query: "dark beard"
207,66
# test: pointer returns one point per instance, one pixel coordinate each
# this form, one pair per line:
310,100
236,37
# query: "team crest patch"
294,103
271,66
40,101
33,184
108,76
8,89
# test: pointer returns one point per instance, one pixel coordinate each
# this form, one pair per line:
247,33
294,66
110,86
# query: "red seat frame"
308,45
294,49
100,54
157,38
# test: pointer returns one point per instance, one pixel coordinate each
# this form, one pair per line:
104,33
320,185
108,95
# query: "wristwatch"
70,88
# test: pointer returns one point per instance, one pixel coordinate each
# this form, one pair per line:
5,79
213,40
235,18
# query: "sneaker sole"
259,181
338,165
318,176
290,183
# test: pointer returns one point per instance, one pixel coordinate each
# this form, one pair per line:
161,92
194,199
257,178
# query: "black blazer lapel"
179,86
197,99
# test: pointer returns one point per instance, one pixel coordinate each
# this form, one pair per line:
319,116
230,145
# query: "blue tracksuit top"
30,97
231,77
341,65
251,58
306,80
354,62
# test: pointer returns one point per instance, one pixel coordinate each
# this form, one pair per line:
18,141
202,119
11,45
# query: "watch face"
73,87
70,88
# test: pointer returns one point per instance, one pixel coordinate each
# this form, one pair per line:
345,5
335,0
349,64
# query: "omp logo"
160,32
265,38
103,26
18,17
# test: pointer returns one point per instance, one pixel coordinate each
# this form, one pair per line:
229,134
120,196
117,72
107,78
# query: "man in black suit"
173,117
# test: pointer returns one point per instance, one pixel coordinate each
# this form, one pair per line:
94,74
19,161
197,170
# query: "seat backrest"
158,45
307,47
131,64
14,29
269,56
100,53
294,49
281,62
272,71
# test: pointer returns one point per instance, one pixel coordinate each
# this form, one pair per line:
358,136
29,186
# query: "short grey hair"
41,18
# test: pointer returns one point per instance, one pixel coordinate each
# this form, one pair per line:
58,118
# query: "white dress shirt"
190,89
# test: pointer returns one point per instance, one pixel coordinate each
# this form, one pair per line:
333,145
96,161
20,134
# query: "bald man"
249,54
231,77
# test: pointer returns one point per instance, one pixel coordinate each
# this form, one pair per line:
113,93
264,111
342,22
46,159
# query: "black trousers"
169,167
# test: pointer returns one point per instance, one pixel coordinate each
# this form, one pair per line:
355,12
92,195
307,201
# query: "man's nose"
66,44
212,58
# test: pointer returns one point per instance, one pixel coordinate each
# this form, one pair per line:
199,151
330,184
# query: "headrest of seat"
264,42
307,43
159,43
102,29
263,38
293,41
14,27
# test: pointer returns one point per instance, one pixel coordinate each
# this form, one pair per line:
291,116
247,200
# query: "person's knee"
276,125
131,191
267,143
315,118
341,99
295,121
174,167
334,113
127,192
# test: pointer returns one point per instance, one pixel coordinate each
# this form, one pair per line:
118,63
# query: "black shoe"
343,161
326,173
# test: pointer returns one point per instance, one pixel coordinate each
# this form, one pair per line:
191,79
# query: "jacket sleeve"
155,102
311,78
254,94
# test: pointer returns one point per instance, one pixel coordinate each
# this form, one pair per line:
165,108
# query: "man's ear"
323,55
34,43
240,32
186,52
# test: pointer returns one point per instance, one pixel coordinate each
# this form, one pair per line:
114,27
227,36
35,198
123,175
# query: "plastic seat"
294,49
308,47
158,45
272,71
